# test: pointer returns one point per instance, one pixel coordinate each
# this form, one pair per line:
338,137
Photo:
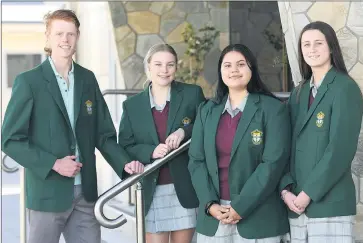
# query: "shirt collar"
317,85
55,70
152,102
240,107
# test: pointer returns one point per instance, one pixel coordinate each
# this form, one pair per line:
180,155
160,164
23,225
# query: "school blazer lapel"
319,96
78,90
211,134
303,106
54,89
247,115
176,99
147,116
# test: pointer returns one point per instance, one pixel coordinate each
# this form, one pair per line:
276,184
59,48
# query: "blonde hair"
61,14
154,49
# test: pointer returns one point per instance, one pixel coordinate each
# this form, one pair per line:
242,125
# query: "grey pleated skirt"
322,230
166,214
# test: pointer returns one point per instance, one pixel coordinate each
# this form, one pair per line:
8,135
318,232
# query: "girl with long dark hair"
326,112
240,145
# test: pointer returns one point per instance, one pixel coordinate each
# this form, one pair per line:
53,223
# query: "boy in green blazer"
55,119
326,113
240,145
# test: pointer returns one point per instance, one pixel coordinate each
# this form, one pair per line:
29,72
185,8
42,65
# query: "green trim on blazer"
254,171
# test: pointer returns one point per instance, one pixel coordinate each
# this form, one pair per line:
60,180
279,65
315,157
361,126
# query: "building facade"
116,35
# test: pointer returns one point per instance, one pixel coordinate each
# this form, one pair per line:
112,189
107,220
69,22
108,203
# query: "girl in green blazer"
326,113
153,123
240,146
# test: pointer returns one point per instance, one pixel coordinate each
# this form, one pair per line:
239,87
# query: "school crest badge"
89,107
256,137
186,121
320,119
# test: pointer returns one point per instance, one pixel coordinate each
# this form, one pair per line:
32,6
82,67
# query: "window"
258,26
18,63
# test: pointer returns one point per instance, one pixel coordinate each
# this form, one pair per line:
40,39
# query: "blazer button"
155,180
73,147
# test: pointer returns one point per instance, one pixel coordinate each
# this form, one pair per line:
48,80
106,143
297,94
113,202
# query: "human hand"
134,167
289,199
160,151
174,139
67,166
231,217
302,201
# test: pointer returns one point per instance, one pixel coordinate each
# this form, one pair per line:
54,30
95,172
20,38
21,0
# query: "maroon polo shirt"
161,121
224,140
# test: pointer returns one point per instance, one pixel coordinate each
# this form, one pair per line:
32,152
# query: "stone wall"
139,25
347,20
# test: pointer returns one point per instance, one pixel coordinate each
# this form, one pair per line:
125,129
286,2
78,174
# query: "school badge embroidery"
256,137
186,121
89,107
320,119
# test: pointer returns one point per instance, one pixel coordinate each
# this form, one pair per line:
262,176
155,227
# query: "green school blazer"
36,131
137,134
324,143
260,151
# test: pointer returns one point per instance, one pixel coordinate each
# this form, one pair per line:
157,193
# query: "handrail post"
140,219
23,231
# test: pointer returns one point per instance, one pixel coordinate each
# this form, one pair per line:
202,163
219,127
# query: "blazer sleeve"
267,175
106,140
140,152
15,132
287,178
200,177
343,139
198,100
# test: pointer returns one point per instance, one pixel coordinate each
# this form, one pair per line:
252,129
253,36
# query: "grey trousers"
78,224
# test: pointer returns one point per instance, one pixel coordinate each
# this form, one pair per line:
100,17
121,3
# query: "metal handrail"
6,168
121,91
127,92
123,185
282,95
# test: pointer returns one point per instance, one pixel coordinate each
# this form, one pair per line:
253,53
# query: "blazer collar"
53,88
304,97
